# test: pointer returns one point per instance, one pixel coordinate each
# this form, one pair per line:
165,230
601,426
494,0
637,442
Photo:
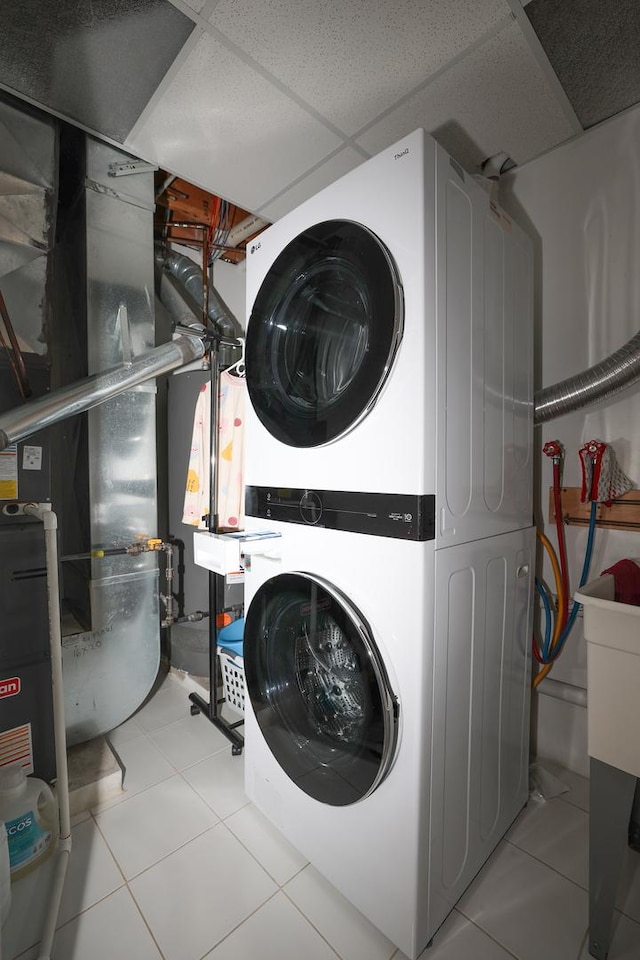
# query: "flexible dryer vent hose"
189,274
603,380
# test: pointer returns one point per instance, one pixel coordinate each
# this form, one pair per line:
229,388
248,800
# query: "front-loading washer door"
324,329
319,688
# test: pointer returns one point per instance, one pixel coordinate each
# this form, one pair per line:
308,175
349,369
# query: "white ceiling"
270,100
266,101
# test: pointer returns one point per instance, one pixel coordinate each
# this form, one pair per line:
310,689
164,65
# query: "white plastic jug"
29,811
5,878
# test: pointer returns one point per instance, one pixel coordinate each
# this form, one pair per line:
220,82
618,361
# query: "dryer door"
323,332
319,689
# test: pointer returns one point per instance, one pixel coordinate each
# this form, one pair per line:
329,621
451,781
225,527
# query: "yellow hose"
562,601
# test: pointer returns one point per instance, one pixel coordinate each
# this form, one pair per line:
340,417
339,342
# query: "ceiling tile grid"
195,5
495,99
222,126
264,101
352,60
96,64
328,172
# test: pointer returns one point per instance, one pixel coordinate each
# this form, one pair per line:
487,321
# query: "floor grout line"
545,864
394,954
309,921
491,937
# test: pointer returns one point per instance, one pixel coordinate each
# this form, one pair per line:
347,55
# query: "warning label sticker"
9,473
16,746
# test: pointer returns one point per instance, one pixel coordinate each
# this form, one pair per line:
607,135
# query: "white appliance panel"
360,847
450,616
481,699
498,348
454,417
393,196
484,350
453,628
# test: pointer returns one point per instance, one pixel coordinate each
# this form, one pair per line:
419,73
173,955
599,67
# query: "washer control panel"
397,515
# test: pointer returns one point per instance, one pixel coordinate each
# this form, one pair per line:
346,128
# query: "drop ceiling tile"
222,126
354,59
333,168
594,55
96,64
497,98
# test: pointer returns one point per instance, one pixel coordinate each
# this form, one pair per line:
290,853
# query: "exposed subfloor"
181,866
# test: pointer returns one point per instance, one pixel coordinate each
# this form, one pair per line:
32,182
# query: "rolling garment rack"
211,709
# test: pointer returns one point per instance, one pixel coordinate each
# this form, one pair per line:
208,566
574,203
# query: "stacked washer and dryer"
389,442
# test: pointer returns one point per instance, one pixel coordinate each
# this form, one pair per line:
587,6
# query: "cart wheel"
236,750
194,710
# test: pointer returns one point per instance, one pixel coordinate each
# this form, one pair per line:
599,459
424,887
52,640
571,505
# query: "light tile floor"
183,867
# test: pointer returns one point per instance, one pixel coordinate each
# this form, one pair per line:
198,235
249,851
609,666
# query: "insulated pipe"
50,523
91,391
603,380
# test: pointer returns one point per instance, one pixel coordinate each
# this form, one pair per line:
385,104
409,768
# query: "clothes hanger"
238,368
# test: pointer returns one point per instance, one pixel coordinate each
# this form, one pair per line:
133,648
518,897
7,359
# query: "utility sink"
612,632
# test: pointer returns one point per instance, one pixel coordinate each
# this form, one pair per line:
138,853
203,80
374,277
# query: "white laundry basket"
232,673
612,632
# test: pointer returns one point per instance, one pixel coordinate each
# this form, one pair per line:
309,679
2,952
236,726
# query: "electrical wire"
13,352
213,219
221,220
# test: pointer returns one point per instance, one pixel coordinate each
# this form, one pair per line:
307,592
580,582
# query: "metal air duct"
88,393
189,275
111,667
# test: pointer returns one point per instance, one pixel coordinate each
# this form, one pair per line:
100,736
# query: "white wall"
230,280
582,203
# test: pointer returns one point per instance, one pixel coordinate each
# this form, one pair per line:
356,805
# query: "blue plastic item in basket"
231,637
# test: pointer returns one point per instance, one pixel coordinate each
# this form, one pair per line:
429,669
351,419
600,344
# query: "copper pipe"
189,225
15,354
205,279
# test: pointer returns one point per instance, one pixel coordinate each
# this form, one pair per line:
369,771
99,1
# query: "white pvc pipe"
49,520
559,690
